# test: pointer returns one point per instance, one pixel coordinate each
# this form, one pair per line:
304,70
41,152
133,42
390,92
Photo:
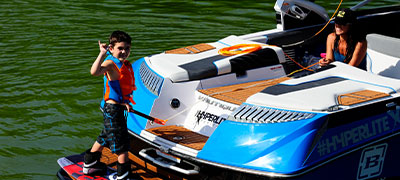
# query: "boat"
247,107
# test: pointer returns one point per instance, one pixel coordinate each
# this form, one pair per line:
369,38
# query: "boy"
119,83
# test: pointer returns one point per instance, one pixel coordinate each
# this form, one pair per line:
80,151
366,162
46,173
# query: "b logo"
371,162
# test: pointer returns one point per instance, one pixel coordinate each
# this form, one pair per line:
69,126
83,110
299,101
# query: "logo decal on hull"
371,161
359,133
203,115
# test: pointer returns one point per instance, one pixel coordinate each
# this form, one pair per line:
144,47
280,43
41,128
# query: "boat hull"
372,160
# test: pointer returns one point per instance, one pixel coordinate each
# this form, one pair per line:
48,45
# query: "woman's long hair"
354,35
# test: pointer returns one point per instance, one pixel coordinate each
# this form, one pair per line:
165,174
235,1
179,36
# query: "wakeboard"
73,165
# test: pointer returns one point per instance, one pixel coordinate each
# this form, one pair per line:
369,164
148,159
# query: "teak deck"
194,49
180,135
359,97
238,93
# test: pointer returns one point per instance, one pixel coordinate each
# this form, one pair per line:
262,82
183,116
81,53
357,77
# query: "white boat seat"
187,67
210,67
383,55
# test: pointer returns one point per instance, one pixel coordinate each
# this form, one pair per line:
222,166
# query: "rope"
302,67
326,24
329,19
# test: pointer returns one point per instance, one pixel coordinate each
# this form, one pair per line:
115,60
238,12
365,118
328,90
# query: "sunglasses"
342,23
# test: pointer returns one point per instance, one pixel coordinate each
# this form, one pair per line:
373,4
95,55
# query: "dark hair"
119,36
354,34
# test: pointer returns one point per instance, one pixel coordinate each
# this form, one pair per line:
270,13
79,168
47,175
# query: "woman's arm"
330,40
359,53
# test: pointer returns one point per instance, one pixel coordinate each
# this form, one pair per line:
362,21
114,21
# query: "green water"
49,101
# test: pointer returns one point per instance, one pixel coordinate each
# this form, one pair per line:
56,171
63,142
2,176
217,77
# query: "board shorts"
115,133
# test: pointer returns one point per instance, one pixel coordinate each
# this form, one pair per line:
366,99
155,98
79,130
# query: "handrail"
359,5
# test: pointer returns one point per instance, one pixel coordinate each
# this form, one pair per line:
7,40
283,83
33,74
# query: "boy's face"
121,50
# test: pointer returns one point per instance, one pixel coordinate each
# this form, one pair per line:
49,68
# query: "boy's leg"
91,159
92,162
96,147
123,166
123,157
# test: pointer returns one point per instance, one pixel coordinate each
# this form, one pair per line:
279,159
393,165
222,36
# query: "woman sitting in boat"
346,43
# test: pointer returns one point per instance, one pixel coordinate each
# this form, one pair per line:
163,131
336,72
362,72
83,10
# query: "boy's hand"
103,47
128,107
97,67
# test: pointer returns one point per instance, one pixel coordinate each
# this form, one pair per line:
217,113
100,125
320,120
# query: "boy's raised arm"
97,68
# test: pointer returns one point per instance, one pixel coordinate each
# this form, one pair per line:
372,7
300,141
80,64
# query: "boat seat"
218,65
207,64
383,55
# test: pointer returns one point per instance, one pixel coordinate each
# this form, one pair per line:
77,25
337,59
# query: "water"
49,101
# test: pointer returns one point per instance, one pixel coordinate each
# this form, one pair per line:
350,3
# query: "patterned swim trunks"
115,133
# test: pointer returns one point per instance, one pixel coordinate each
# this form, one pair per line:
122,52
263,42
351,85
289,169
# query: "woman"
346,44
